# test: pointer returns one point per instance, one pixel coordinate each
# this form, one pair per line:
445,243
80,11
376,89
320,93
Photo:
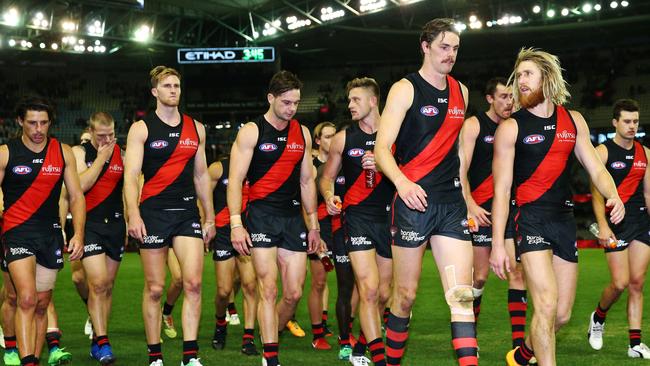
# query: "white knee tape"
459,297
45,278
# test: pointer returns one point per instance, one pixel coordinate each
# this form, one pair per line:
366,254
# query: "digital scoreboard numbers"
225,55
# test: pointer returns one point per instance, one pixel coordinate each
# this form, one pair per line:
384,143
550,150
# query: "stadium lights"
143,33
12,42
268,30
624,3
460,27
55,46
329,13
613,5
564,12
371,5
11,17
537,9
39,21
586,8
96,28
42,45
294,23
550,13
69,26
597,7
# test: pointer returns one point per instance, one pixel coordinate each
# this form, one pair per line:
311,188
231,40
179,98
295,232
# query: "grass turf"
429,342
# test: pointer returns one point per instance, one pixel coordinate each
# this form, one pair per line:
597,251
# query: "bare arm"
467,142
215,170
598,204
89,175
4,159
77,203
132,169
202,186
308,196
330,171
600,178
502,171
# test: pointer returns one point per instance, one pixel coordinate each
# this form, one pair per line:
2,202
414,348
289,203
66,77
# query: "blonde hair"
100,118
318,130
553,85
160,72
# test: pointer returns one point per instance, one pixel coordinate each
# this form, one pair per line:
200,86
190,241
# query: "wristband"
234,226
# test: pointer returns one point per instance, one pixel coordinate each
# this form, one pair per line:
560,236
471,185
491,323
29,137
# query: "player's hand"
413,195
105,150
313,241
209,232
241,241
368,161
480,215
499,261
334,205
76,247
606,236
617,212
136,228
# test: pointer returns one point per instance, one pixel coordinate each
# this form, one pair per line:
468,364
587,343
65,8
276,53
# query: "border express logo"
429,111
534,139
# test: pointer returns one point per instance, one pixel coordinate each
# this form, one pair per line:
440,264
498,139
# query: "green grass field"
429,342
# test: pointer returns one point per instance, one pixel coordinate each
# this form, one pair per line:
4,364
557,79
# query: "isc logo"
22,170
175,134
618,165
489,139
267,147
533,139
356,152
159,144
429,111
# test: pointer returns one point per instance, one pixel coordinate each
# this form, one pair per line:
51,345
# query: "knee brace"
459,297
45,278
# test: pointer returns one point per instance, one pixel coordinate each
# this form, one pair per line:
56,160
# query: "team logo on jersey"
618,165
268,147
340,179
533,139
22,169
489,139
356,152
456,113
159,144
429,111
640,164
224,181
566,136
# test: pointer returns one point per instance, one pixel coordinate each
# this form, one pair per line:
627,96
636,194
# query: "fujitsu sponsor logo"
456,112
566,136
51,170
117,168
295,147
640,164
188,143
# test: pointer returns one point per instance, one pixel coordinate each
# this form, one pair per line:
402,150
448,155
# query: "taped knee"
460,300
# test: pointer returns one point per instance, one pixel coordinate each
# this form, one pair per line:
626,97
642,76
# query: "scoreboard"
225,55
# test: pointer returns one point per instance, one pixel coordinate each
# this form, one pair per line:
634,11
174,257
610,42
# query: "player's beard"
531,100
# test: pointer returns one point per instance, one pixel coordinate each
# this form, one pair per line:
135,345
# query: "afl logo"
489,139
266,147
614,165
533,139
340,180
429,111
356,152
22,170
159,144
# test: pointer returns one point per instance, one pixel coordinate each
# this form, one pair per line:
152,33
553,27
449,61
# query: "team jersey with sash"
219,197
104,198
427,143
543,151
31,188
274,172
358,198
480,177
627,168
322,207
168,164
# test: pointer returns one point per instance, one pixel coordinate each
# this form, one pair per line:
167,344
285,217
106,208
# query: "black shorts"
541,229
105,237
268,230
339,253
365,232
633,227
164,225
326,235
483,237
412,228
46,247
222,249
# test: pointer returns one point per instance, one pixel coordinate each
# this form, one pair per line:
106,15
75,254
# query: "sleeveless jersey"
358,198
104,198
32,188
219,197
168,164
627,168
427,143
479,175
541,169
274,172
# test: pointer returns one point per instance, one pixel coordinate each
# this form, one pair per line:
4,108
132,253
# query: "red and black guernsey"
339,190
274,172
168,164
358,198
627,168
104,198
542,158
219,197
480,177
427,143
322,207
32,187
